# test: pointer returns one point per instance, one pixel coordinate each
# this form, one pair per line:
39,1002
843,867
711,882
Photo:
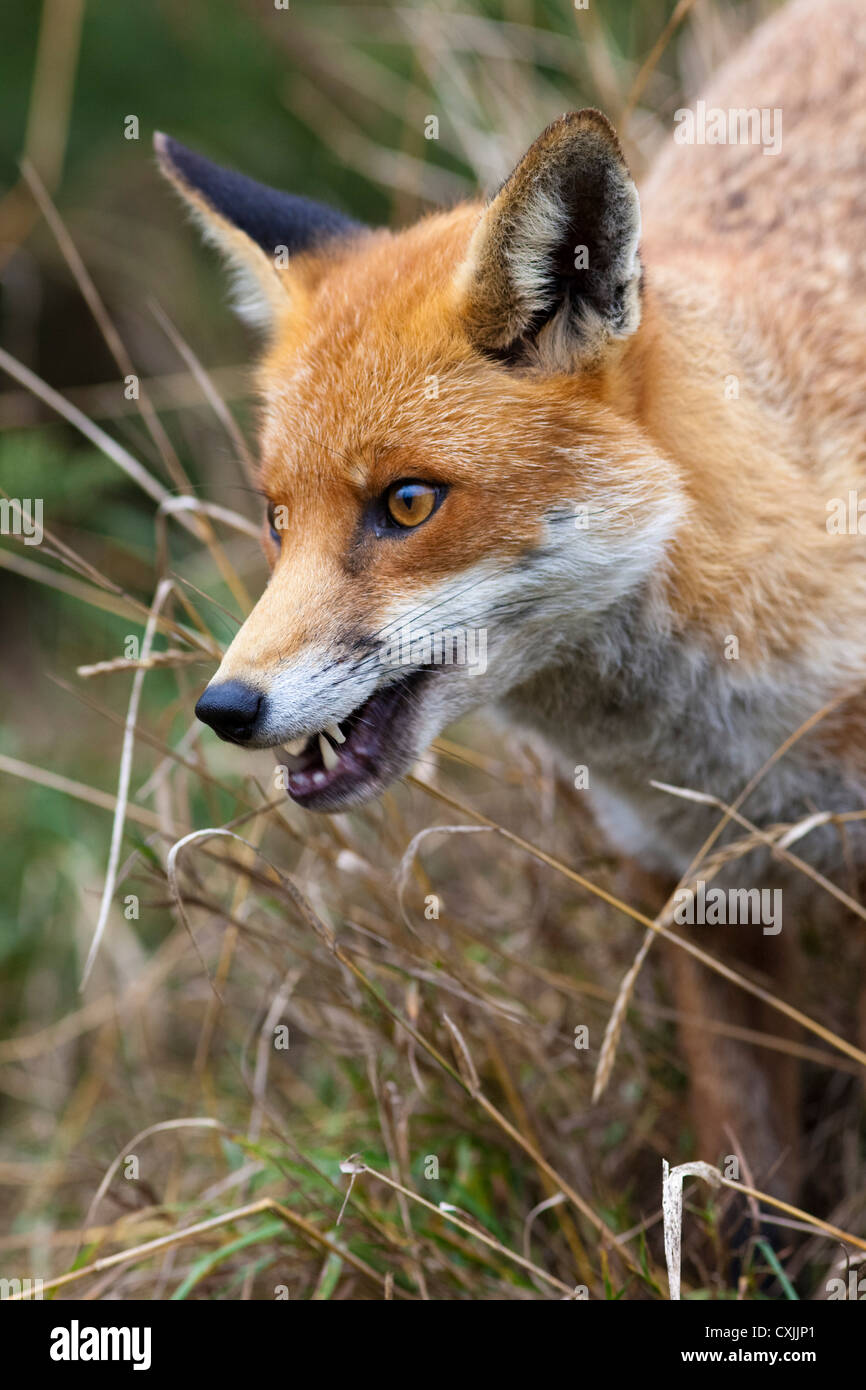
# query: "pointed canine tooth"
335,732
330,756
296,746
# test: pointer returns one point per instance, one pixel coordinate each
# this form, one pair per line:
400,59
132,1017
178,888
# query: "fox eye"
409,502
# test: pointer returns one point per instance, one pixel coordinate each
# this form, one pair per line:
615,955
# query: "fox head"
457,494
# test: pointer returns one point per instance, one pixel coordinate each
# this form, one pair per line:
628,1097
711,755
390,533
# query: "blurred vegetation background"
330,101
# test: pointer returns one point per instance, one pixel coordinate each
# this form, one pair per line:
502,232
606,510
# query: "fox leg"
745,1097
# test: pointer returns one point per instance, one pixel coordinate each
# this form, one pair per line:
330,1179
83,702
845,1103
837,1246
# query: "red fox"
615,442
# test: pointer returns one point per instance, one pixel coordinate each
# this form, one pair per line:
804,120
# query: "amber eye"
409,503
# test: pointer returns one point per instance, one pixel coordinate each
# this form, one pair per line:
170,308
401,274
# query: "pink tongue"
300,783
303,782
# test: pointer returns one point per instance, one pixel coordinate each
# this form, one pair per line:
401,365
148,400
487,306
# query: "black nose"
231,709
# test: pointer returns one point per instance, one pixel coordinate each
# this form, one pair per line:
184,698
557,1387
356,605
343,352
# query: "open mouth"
349,762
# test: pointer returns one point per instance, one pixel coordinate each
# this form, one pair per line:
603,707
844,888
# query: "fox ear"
256,228
552,273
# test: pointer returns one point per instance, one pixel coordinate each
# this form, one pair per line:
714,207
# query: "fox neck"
689,382
751,557
699,672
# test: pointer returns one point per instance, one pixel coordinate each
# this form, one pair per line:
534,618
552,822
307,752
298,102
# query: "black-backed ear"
553,274
258,229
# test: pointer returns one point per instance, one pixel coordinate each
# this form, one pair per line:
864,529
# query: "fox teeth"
296,746
330,756
335,732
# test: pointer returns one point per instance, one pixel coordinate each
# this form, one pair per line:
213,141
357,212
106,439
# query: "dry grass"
430,1130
